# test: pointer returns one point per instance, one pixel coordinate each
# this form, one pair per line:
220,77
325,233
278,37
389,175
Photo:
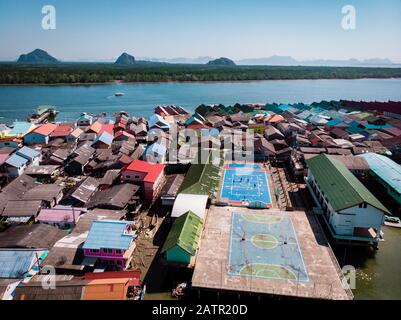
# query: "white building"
190,202
350,210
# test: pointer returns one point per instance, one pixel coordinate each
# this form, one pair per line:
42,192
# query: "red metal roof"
45,129
62,130
153,170
109,128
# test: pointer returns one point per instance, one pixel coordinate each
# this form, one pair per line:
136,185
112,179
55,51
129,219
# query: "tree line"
70,73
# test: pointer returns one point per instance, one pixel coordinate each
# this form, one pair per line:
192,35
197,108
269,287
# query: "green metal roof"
185,233
342,189
202,179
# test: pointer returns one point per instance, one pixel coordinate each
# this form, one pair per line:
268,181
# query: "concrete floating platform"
212,263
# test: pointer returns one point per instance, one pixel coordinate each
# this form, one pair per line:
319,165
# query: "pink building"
111,242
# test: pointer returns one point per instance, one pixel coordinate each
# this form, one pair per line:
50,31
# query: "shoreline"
62,84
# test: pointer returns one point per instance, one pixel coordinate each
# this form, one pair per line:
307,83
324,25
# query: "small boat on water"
119,94
394,222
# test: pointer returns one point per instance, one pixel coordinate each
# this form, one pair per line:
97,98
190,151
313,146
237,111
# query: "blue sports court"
265,246
246,184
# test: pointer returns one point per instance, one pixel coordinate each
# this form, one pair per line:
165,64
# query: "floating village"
229,201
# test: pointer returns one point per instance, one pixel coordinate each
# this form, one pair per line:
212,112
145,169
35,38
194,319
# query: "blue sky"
102,29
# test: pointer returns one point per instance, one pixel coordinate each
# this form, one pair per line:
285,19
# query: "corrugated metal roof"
153,170
86,189
86,220
58,215
20,128
22,208
342,188
385,168
28,153
31,236
202,178
45,129
116,197
16,263
45,192
108,234
185,233
104,137
16,161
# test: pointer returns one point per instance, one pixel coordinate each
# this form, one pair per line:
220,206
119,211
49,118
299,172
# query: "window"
118,251
136,177
360,205
108,251
94,251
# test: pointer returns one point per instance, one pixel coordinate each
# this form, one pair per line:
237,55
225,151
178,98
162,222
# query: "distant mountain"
125,58
272,61
290,61
179,60
377,61
37,56
221,62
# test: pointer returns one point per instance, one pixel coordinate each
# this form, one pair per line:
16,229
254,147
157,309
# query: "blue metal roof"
385,168
16,161
374,126
16,263
105,137
284,107
20,127
108,234
333,122
85,116
28,153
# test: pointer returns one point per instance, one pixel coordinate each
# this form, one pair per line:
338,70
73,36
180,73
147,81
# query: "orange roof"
153,170
96,127
106,289
275,118
45,129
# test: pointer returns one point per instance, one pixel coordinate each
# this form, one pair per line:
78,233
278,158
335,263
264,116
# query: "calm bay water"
378,272
16,102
